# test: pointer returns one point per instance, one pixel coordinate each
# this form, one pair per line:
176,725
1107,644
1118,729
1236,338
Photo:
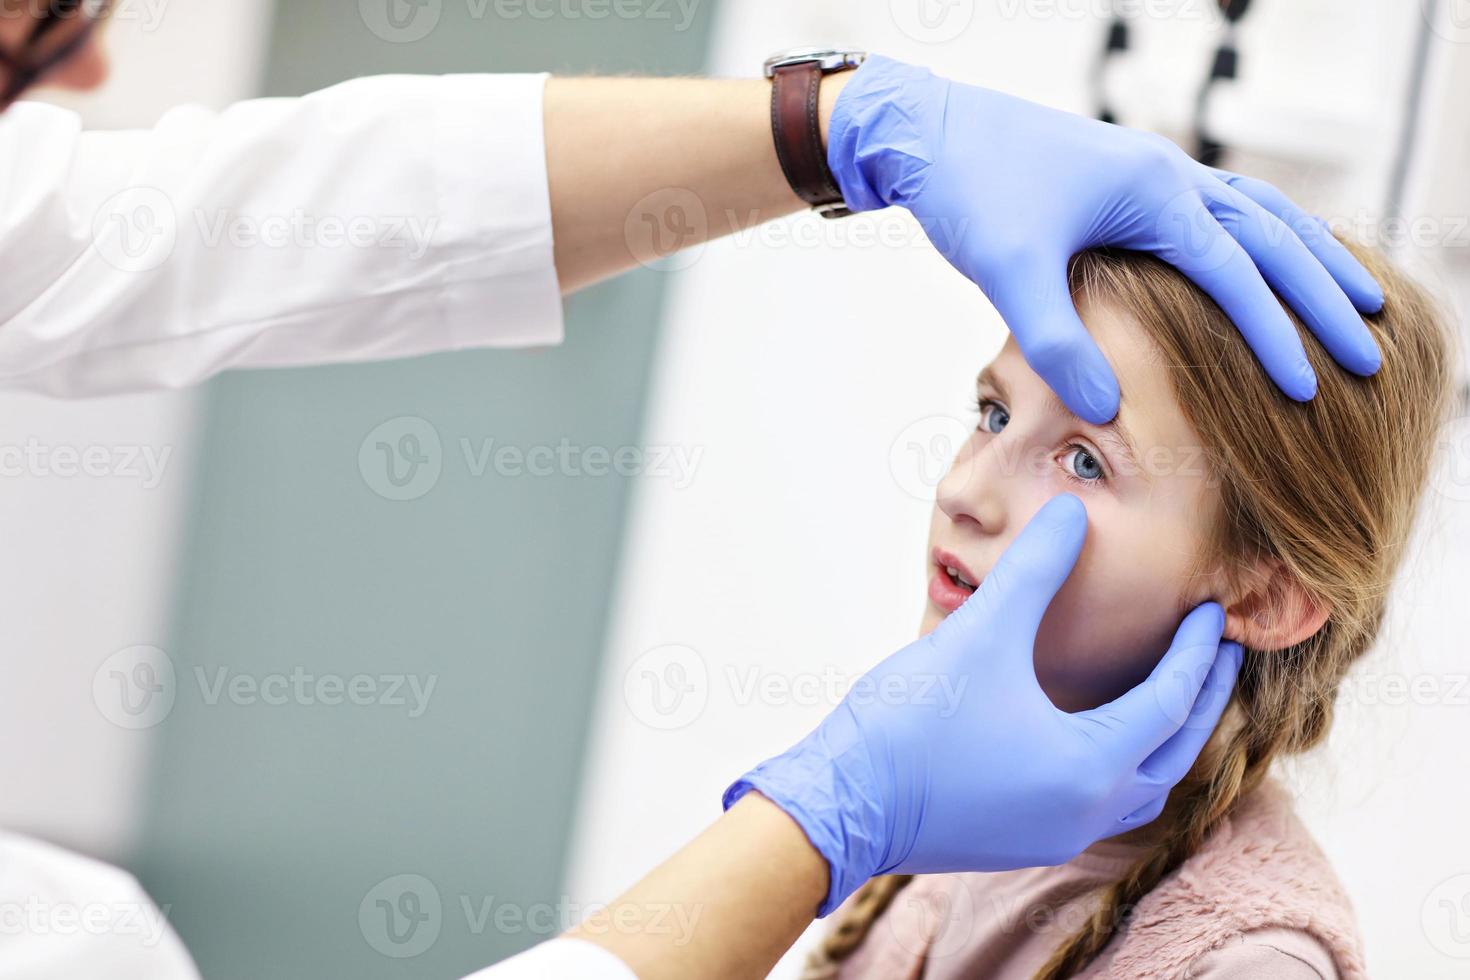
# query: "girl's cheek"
1117,558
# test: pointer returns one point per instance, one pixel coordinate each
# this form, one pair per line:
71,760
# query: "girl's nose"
973,489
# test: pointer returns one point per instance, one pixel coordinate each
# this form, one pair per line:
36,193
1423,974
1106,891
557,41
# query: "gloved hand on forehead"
1009,191
948,756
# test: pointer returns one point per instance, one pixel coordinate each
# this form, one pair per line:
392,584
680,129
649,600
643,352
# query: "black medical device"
1224,66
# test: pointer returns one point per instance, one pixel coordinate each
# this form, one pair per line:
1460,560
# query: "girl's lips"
944,591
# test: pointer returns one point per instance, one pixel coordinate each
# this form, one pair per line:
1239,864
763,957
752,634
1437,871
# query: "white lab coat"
383,217
63,915
379,218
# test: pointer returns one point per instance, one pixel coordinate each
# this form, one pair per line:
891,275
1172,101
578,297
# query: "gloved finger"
1357,282
1296,274
1194,242
1037,307
1170,761
1147,716
1021,585
1143,816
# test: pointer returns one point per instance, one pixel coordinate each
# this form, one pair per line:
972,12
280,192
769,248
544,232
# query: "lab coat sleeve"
65,915
559,959
383,217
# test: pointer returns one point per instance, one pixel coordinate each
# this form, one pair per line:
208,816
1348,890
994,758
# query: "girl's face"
1150,506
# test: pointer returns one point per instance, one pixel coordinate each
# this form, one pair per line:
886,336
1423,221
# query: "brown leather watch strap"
796,127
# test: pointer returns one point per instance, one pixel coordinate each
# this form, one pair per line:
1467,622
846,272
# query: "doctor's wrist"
832,87
840,821
788,848
878,145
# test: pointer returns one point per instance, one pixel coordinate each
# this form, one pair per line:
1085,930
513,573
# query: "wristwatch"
796,79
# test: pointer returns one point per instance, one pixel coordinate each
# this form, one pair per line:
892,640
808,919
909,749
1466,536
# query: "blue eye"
1084,465
993,417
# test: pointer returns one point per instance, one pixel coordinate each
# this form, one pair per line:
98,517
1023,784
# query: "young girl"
1210,485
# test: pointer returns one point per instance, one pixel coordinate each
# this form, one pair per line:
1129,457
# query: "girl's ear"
1272,610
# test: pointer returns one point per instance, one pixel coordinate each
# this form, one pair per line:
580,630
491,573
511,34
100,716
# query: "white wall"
810,376
88,561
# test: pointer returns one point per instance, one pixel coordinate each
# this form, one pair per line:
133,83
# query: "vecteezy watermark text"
566,458
37,916
300,229
403,915
137,687
139,227
403,458
407,21
34,458
669,686
301,687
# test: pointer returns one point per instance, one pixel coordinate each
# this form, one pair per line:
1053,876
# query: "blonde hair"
1328,489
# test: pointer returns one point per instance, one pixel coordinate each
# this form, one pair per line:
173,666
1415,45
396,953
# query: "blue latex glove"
1009,191
901,778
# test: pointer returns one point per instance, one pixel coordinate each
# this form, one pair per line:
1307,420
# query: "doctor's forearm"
686,159
728,904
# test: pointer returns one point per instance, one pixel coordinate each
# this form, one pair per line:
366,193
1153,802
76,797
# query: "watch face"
829,59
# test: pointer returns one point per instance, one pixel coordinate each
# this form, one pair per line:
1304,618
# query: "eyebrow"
1117,428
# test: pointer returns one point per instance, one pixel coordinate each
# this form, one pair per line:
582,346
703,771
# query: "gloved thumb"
1022,584
1038,308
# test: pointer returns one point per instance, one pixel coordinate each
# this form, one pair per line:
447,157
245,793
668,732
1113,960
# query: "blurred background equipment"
1223,68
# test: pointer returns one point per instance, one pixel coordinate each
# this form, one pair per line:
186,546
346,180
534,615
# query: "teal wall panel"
271,827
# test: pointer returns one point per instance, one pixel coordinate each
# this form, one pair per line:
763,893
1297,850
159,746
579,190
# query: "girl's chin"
931,619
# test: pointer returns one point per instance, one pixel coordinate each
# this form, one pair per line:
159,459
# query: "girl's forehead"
1148,407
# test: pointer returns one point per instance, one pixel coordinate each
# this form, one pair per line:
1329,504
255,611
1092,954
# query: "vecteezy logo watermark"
1450,468
667,687
932,21
1445,917
667,229
400,21
1198,242
136,229
1447,19
401,916
1188,699
921,455
401,459
135,687
947,918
